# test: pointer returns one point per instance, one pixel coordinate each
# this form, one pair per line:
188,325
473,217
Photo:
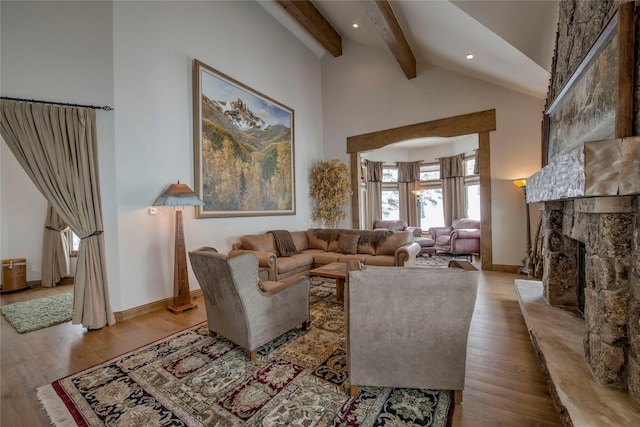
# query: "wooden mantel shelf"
556,335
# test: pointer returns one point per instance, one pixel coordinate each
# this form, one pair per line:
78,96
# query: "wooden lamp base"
177,310
181,293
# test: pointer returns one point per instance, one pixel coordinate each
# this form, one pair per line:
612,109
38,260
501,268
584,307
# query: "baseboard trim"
149,307
506,268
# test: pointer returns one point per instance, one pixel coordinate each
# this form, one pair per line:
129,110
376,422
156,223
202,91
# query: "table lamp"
179,195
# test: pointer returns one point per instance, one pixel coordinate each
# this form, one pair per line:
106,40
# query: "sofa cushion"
359,257
333,246
393,242
326,258
348,244
300,240
259,242
381,260
366,248
315,242
286,264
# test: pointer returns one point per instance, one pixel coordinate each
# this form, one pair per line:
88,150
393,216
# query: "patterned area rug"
192,379
435,260
39,313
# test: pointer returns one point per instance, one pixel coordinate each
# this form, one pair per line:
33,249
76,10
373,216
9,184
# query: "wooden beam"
312,20
483,121
626,49
385,21
355,190
486,229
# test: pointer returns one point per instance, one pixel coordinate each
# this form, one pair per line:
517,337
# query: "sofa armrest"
416,231
465,233
439,231
265,260
405,255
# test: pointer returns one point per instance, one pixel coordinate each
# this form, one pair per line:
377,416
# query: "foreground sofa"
420,318
317,246
241,308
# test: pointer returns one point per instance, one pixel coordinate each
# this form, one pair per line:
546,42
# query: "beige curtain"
409,180
374,192
453,191
57,147
55,249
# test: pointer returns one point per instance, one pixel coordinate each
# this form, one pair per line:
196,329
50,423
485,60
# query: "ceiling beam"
385,21
312,20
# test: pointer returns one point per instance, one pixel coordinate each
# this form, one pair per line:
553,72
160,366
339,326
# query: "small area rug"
435,260
192,379
39,313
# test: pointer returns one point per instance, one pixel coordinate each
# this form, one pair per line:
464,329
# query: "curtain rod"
36,101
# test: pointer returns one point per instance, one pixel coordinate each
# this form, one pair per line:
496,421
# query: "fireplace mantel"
595,168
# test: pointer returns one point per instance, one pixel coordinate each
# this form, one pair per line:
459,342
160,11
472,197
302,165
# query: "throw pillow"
348,244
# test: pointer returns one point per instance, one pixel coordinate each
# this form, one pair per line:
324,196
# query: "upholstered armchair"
244,309
462,238
427,245
408,327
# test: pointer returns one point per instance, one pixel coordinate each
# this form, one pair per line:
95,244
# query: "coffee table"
335,270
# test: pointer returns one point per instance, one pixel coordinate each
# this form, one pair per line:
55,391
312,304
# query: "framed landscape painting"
243,149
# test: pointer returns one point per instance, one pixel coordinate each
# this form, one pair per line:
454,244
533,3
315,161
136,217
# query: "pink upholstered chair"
462,238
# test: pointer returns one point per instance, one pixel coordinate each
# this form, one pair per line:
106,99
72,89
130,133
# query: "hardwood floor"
504,385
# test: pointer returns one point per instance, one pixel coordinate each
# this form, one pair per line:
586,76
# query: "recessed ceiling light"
469,55
355,25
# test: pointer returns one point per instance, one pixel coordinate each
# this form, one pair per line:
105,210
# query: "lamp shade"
520,182
178,195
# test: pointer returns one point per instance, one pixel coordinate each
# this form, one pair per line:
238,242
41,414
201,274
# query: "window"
473,201
390,204
431,209
469,165
390,175
390,193
74,242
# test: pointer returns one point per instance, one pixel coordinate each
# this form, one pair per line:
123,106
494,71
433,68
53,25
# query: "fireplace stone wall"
609,227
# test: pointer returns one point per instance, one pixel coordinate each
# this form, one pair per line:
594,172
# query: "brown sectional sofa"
315,247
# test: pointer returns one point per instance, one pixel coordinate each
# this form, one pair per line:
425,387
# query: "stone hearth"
557,337
590,195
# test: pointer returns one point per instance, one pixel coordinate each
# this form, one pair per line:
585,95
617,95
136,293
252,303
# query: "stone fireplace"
581,202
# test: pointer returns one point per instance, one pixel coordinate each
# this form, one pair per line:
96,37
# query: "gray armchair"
243,309
408,327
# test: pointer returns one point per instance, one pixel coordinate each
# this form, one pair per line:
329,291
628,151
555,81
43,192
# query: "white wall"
57,51
137,57
364,91
155,44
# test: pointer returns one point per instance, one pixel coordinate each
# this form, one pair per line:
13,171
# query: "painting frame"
599,124
244,150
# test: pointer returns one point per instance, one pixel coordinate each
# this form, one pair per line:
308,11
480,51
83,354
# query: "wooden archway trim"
481,123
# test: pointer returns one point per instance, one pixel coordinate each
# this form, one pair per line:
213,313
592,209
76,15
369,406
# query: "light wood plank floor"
504,384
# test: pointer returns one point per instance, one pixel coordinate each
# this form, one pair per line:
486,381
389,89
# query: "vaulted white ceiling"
512,40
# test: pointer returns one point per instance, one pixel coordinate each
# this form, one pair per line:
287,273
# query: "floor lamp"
527,265
179,195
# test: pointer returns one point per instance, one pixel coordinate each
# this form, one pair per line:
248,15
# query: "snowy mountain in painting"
240,115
